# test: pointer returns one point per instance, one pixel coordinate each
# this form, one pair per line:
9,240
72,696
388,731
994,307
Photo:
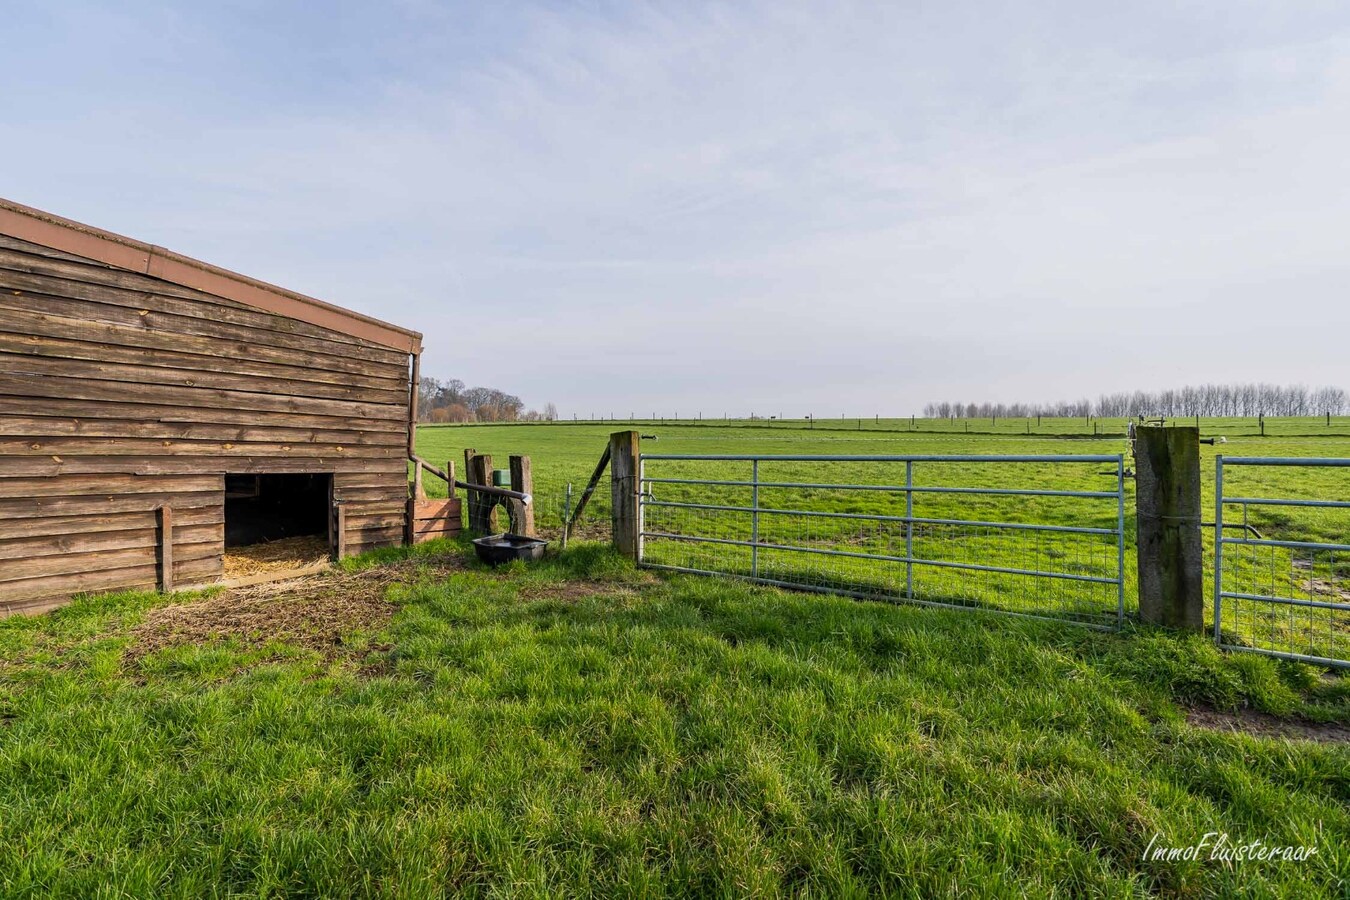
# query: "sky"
776,208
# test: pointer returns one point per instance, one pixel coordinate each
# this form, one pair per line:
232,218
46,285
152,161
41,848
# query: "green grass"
581,728
564,452
1275,426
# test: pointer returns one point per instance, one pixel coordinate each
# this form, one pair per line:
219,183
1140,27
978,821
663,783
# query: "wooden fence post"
341,531
624,453
418,493
482,507
1171,557
165,549
522,514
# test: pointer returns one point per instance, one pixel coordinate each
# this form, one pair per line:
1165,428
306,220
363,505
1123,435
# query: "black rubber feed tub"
497,549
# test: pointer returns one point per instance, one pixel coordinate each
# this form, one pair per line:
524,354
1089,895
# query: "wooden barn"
155,410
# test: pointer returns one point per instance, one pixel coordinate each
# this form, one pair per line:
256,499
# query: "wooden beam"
624,460
341,531
482,506
286,575
522,514
418,492
1171,562
166,548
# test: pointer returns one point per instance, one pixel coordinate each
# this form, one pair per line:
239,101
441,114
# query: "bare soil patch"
573,591
585,530
275,556
1265,725
316,612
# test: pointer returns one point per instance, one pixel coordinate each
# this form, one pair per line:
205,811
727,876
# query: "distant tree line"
1197,400
451,401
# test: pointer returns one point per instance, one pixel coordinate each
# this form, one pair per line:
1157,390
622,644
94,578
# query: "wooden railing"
430,518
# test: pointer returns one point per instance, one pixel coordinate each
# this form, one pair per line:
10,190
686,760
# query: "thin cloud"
776,204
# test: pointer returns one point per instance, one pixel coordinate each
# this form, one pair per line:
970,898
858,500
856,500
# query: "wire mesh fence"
590,516
1013,534
1282,576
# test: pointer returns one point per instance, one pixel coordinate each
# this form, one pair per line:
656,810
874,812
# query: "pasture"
418,725
565,453
584,729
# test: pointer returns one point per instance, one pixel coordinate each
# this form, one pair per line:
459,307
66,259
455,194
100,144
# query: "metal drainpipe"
412,402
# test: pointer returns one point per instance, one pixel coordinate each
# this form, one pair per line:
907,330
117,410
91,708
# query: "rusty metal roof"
37,227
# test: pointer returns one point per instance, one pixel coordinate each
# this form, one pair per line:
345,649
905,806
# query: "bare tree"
1194,400
452,401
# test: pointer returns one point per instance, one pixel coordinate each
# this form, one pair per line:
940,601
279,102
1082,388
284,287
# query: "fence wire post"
909,529
626,474
754,518
1170,538
567,513
1218,549
1120,542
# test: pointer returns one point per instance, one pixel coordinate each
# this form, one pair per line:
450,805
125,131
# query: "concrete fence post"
624,453
1171,557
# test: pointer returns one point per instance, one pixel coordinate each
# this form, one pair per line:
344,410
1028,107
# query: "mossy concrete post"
624,479
1171,559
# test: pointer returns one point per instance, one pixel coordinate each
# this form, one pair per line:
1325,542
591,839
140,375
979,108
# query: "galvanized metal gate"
1033,543
1283,587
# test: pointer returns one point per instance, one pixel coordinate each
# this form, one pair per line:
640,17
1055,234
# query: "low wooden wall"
430,519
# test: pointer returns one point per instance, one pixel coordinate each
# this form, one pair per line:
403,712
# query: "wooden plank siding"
121,393
435,519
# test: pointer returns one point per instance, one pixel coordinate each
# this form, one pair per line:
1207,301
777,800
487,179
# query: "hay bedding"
275,556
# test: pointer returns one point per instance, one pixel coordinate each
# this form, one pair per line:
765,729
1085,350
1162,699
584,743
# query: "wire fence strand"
1282,582
1013,534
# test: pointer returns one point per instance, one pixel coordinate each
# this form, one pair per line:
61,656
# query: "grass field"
1250,426
581,728
416,725
563,453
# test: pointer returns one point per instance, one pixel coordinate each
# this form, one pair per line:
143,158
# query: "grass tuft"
578,727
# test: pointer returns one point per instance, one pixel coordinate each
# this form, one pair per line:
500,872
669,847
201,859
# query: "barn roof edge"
48,230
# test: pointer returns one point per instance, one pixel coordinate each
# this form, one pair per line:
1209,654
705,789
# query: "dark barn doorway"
266,508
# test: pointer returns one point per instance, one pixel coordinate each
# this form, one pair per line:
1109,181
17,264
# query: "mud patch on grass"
1265,725
317,613
573,591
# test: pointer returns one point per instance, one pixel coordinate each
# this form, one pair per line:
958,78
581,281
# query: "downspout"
415,489
414,388
444,476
